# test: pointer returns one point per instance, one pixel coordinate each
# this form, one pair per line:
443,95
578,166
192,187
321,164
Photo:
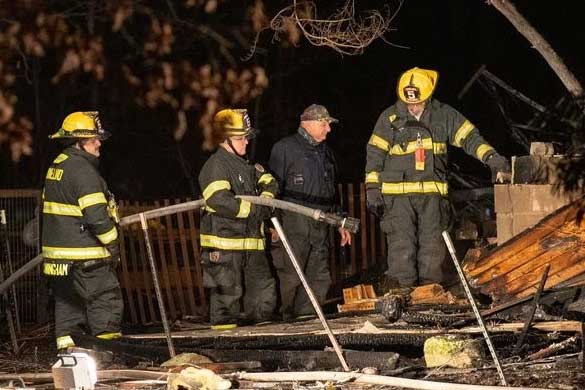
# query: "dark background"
454,37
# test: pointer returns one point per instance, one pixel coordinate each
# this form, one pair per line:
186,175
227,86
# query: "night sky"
455,37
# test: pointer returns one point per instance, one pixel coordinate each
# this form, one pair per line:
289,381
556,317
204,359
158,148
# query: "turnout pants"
87,302
310,242
241,286
413,227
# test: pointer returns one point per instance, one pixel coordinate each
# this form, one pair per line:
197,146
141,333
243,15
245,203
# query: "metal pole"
159,298
480,321
310,293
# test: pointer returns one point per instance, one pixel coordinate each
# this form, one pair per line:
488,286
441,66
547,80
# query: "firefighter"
80,235
306,170
406,176
235,267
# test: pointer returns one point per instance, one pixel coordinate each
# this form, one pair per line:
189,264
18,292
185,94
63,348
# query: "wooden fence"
175,240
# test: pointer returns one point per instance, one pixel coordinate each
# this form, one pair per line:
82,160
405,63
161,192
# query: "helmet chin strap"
229,143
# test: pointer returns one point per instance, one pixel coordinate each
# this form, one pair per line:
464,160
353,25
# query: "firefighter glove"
375,202
260,213
498,164
114,250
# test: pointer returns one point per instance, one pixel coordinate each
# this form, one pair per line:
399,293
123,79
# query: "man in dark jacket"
406,176
235,267
80,237
306,170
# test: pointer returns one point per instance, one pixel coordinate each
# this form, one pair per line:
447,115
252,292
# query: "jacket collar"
307,137
73,151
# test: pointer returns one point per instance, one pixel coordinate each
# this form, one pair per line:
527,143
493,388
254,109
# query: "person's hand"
345,237
500,168
274,235
114,250
374,201
261,213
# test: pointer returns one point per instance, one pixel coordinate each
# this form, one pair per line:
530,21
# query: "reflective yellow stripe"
419,187
92,199
379,142
109,236
109,335
427,143
267,194
244,209
266,178
215,186
60,158
372,177
245,244
65,342
208,209
482,150
61,209
462,133
391,118
94,252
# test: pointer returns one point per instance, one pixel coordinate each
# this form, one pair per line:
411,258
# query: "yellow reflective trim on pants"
266,179
418,187
379,142
61,209
372,177
60,158
427,144
109,236
462,133
245,244
92,199
96,252
215,186
65,342
109,335
244,211
482,150
267,194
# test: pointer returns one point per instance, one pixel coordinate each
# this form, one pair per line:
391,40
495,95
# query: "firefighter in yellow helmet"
80,235
235,267
406,175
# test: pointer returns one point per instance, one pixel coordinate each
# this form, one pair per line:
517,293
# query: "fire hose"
349,223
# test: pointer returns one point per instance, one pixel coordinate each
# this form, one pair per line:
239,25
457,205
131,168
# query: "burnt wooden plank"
352,212
174,263
517,244
148,281
186,270
198,272
167,286
364,229
127,285
136,266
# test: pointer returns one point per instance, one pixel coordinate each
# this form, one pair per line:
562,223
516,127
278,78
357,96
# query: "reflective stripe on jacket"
76,223
227,222
392,162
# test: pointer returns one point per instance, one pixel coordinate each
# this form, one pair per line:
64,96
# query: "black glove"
260,213
114,250
374,201
497,164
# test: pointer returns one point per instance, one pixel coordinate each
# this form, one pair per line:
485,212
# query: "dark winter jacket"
391,164
229,223
76,222
306,171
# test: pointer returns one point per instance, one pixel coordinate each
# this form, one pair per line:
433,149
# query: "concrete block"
542,149
525,198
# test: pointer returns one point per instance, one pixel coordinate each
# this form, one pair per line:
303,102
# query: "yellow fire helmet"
82,124
416,85
234,122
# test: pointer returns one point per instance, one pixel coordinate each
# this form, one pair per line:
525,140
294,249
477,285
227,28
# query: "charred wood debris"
527,285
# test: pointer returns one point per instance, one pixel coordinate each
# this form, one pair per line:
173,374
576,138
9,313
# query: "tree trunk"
541,45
